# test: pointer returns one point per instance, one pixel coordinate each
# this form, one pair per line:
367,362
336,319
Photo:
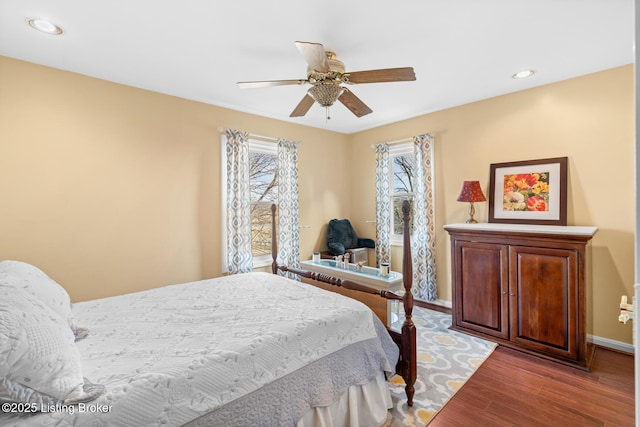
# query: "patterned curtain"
288,217
383,208
423,242
239,255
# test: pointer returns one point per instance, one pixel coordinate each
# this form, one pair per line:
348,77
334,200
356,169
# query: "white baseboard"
440,302
602,342
443,303
612,344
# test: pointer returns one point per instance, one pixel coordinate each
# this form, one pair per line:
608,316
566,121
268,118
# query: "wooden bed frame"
406,339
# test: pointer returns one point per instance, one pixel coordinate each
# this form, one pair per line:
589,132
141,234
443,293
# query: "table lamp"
471,192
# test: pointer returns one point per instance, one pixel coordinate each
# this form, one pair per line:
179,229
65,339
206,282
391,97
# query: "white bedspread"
173,353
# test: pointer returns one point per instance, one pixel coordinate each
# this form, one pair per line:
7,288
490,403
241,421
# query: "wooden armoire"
523,286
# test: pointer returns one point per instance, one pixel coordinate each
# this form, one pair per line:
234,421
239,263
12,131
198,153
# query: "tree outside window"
263,178
402,187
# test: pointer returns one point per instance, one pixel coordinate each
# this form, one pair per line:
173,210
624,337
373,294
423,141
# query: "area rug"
446,360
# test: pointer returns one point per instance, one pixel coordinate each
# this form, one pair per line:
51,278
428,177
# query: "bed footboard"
406,337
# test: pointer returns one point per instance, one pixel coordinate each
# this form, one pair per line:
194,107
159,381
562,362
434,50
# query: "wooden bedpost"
274,241
408,328
405,339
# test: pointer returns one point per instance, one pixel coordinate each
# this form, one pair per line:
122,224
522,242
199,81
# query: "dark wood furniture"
523,286
407,366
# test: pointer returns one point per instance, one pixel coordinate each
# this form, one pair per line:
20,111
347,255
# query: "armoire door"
480,287
544,301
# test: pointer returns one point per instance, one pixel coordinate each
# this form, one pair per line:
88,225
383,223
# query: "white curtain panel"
383,208
288,207
423,242
239,255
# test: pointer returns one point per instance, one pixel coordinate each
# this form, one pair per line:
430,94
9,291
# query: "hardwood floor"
512,388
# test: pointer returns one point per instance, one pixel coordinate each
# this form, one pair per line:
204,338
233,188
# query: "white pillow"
38,355
34,281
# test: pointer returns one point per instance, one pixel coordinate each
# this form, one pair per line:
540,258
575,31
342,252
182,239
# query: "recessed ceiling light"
523,74
44,26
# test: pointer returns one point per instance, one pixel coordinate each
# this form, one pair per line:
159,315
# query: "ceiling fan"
326,74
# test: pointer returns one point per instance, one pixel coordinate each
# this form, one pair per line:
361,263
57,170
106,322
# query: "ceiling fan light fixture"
326,94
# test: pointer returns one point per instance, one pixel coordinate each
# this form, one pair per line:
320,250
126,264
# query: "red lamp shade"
471,192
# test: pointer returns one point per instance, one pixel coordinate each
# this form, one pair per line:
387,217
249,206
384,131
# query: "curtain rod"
398,141
261,137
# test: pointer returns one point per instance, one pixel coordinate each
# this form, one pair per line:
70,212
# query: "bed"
252,349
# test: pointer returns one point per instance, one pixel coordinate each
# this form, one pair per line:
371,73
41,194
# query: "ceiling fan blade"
302,108
315,56
267,83
382,76
354,103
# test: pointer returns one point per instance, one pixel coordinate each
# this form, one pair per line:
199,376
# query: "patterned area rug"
446,360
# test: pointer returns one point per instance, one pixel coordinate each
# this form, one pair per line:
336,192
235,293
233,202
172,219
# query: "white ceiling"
461,50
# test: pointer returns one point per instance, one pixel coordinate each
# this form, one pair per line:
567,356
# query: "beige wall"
112,189
588,119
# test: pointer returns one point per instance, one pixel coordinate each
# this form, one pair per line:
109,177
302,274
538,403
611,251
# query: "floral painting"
529,192
526,192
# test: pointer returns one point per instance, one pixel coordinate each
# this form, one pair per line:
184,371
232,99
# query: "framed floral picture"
529,192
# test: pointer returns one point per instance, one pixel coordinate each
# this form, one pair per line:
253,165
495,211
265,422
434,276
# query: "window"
263,177
263,191
401,181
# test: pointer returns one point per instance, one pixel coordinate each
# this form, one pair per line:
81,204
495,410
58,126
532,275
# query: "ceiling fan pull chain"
328,116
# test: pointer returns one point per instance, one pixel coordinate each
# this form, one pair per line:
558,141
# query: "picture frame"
529,192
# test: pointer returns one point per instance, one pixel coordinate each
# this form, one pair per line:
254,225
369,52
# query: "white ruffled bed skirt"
365,405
